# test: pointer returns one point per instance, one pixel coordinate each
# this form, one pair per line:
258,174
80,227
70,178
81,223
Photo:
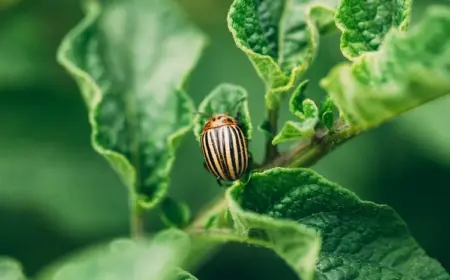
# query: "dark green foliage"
360,239
175,213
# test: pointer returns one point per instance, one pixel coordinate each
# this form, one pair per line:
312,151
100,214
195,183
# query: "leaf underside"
126,59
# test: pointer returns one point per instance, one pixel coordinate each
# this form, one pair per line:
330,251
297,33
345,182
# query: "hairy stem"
271,150
136,218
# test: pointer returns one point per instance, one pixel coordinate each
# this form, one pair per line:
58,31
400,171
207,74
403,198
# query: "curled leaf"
126,59
306,111
409,69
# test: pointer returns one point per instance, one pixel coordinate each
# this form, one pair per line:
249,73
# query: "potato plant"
131,60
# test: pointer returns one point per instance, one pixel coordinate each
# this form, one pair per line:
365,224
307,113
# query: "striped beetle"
224,147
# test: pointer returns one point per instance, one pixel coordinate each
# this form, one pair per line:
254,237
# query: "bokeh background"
57,195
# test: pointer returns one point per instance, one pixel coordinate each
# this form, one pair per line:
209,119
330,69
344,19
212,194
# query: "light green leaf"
326,113
295,130
180,274
296,100
283,208
127,60
364,23
225,98
310,109
154,259
306,111
280,38
175,213
10,269
409,69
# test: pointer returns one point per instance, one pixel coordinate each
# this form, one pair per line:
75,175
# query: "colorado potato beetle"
224,147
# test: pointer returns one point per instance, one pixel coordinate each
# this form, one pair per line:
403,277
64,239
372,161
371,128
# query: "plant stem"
136,218
307,152
303,154
271,150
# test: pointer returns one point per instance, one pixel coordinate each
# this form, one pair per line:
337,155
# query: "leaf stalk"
137,214
271,150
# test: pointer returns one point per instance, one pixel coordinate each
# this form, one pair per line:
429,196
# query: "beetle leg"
250,162
204,165
219,181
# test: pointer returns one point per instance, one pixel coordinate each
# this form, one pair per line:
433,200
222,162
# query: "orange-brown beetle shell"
219,120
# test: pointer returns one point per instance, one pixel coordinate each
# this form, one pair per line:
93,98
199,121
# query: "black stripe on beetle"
224,148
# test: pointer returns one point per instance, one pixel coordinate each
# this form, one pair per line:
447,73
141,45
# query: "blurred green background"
58,195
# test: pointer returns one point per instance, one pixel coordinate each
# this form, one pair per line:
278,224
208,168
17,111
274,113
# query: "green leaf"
327,119
310,109
297,98
364,23
266,128
180,274
360,240
175,213
10,269
326,113
127,60
306,111
154,259
295,243
221,100
295,130
410,69
280,38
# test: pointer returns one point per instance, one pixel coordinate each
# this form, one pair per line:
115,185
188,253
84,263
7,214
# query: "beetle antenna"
202,114
237,103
